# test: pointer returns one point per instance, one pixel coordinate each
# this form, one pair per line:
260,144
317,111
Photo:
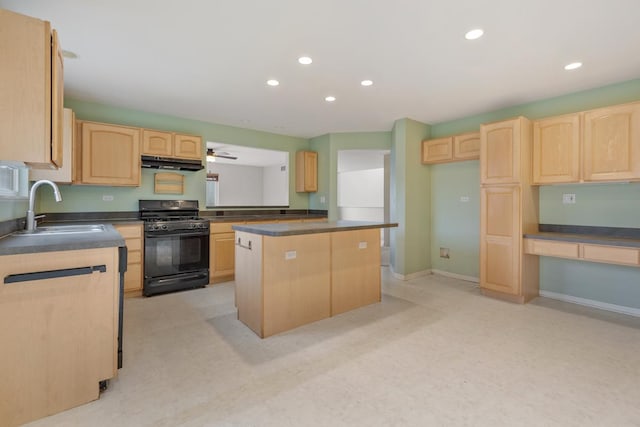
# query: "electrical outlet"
444,252
464,199
107,198
322,200
568,198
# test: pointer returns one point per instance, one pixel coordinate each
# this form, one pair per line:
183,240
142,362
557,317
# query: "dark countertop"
13,243
292,229
611,236
249,218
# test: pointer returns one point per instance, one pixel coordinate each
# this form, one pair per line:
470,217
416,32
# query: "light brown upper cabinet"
556,149
31,88
501,156
110,155
591,146
466,146
437,150
306,171
169,144
611,143
63,174
451,149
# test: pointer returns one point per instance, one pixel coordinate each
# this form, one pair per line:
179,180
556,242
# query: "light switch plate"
362,245
290,255
568,198
464,199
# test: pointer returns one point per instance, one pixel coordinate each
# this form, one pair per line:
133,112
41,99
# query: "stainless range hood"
169,163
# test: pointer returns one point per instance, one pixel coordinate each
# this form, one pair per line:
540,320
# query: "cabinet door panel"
355,269
466,146
437,150
500,237
155,143
110,154
26,89
556,150
222,256
187,147
57,101
612,143
500,152
306,171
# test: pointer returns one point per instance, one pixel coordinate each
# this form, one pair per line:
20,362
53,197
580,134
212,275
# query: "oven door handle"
155,235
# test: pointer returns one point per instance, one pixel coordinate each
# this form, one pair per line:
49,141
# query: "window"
14,180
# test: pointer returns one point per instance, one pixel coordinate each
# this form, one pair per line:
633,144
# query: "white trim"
409,276
592,303
456,276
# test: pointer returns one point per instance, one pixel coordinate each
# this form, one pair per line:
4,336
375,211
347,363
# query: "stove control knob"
164,227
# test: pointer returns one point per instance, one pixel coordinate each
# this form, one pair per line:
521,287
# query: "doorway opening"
363,190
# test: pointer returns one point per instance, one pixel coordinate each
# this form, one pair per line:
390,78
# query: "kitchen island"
291,274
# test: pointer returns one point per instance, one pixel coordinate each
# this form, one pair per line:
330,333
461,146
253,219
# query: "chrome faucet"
31,221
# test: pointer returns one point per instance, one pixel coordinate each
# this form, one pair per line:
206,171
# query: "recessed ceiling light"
366,83
273,82
474,34
330,98
573,66
305,60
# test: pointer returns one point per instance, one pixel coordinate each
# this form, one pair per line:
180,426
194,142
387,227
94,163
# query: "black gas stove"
176,245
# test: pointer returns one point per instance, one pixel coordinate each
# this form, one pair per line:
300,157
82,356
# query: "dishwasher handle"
54,274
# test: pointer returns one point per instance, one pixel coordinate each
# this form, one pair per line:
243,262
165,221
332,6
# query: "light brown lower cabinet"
59,334
133,237
620,255
288,281
222,255
222,252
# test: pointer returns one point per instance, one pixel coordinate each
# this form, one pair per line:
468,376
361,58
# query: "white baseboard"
592,303
456,276
409,276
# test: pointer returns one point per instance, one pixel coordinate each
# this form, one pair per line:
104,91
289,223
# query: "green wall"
89,198
455,224
409,199
614,205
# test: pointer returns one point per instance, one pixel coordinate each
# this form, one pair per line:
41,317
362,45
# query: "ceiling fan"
211,155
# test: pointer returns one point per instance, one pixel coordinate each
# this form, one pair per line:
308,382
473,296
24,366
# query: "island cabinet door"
355,269
248,289
296,281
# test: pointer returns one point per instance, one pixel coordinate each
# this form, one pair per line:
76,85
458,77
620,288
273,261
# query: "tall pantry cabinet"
508,209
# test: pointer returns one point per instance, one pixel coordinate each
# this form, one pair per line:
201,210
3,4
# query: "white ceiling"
209,60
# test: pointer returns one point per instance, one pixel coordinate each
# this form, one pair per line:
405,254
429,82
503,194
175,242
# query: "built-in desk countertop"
610,245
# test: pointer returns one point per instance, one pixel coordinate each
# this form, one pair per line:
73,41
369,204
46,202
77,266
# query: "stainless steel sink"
63,229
